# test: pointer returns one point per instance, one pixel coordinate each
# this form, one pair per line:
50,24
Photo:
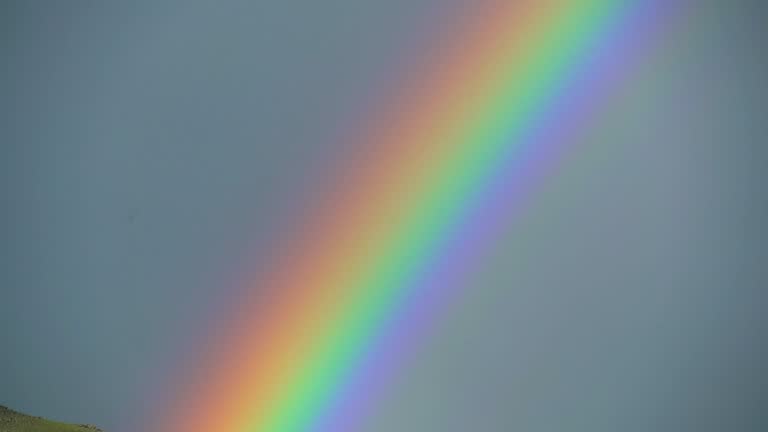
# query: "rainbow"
437,177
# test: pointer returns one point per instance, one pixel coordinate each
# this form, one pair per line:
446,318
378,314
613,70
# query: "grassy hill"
11,421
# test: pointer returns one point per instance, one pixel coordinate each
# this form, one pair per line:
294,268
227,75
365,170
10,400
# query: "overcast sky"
154,153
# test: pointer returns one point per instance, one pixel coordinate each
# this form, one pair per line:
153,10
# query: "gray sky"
154,153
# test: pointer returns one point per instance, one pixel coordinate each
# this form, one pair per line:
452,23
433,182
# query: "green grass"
11,421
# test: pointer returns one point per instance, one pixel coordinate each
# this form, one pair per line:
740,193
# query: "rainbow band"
445,171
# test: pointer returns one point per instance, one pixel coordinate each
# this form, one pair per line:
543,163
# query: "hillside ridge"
14,421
